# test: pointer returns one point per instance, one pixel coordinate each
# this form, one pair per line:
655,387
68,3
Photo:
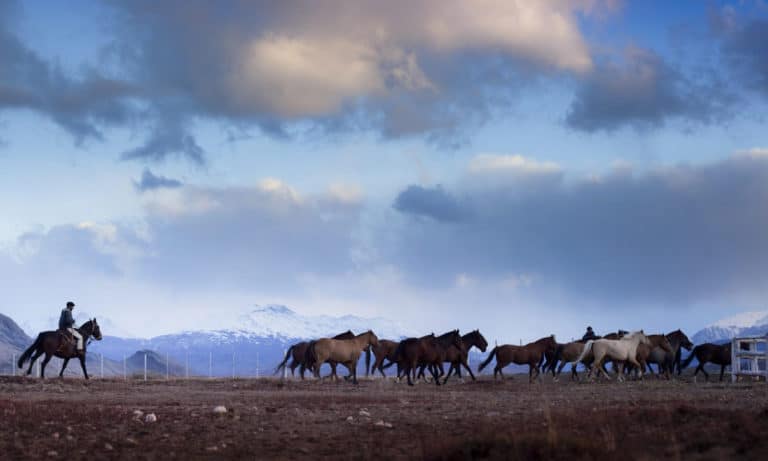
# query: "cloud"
82,105
150,181
644,91
745,50
431,202
677,235
284,66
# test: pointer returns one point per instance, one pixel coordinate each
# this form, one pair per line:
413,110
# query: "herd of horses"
630,353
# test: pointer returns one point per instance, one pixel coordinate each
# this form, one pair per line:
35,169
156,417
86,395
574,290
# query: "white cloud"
515,164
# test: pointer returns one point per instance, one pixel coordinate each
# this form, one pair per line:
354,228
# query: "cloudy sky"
521,167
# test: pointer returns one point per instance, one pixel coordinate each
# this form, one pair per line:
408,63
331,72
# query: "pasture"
379,419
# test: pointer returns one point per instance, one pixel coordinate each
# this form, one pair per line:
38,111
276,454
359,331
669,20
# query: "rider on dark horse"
590,334
67,324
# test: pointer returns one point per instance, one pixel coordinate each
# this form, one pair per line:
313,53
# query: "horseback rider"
590,334
67,323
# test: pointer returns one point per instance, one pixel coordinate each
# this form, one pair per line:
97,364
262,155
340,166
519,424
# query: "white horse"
618,350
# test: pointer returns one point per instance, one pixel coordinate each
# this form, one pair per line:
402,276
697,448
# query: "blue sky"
469,164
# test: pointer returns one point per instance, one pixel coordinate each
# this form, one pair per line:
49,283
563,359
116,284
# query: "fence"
749,357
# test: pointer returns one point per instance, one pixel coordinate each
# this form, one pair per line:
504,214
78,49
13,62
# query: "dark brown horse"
719,354
385,351
57,343
458,357
666,359
298,354
529,354
428,351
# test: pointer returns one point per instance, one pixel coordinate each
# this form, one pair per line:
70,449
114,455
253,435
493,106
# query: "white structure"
747,355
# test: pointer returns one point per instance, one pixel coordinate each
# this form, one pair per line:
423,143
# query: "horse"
658,343
400,356
719,354
457,357
529,354
57,343
443,344
344,351
384,351
568,353
298,352
426,351
619,350
666,359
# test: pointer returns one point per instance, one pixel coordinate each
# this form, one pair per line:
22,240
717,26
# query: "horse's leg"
435,375
574,373
63,366
35,356
408,368
45,362
352,367
722,371
82,365
466,366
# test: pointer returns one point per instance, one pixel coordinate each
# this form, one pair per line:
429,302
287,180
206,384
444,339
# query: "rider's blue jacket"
66,320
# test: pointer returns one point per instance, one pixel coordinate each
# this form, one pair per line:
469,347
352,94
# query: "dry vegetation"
266,418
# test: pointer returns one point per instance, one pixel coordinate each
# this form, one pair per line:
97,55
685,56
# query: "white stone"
220,410
150,418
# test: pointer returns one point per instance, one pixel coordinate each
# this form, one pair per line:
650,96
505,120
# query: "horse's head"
643,339
456,339
665,344
476,339
684,341
91,328
373,340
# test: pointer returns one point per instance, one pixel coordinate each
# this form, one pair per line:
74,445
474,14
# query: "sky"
525,168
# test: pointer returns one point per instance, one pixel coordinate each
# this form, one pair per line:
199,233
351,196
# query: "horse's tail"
368,360
310,357
488,360
27,353
688,361
285,360
586,351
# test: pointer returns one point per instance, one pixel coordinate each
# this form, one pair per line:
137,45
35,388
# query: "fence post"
13,365
735,365
102,365
186,366
145,366
233,364
257,365
125,368
38,368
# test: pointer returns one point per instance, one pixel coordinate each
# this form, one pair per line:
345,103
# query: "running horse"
297,353
719,354
458,357
428,351
384,351
344,351
60,344
530,355
619,350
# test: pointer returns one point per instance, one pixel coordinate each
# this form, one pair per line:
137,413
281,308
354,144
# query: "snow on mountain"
280,321
743,324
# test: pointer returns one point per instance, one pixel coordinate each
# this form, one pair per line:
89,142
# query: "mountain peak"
272,309
753,323
743,320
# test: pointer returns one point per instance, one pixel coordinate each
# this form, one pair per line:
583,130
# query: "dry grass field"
270,419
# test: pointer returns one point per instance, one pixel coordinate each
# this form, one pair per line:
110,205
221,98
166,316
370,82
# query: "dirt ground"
270,419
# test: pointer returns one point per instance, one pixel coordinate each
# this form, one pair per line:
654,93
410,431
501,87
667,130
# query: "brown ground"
267,419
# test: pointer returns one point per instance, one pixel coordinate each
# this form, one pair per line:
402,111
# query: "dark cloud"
745,49
150,181
432,202
82,105
683,234
643,92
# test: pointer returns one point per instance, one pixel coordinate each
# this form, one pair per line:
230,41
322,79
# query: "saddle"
67,343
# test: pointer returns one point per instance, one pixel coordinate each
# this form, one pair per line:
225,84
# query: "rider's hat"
589,328
70,304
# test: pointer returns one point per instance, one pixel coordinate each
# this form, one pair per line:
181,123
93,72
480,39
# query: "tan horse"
569,353
344,351
618,350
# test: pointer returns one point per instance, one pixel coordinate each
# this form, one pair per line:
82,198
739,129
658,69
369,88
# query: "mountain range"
743,324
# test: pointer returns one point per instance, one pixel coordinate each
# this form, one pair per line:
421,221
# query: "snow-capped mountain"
743,324
280,321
